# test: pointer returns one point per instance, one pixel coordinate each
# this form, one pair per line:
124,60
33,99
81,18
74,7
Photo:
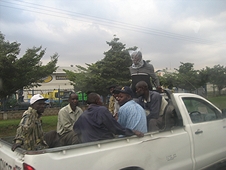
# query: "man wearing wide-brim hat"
29,134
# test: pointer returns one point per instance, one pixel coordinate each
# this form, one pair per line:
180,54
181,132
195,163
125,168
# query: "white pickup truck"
193,137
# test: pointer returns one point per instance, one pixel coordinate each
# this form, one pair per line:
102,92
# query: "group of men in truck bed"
139,110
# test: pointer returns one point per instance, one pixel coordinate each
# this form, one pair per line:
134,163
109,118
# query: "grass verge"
8,127
219,101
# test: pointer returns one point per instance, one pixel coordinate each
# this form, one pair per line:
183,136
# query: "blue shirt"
131,115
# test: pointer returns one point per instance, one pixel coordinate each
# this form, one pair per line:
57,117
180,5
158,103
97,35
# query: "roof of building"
61,69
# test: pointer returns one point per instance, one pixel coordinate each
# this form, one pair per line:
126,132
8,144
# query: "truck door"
208,131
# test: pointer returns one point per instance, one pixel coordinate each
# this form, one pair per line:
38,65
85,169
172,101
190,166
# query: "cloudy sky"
167,31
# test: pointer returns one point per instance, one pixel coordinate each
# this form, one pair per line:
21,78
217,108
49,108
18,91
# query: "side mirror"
224,113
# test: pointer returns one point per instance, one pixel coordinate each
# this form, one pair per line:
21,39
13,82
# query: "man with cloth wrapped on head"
142,71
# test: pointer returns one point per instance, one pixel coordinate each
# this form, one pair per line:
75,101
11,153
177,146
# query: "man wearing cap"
130,115
140,70
29,133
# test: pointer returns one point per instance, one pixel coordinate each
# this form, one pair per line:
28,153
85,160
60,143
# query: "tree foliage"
113,69
217,76
168,80
26,71
185,77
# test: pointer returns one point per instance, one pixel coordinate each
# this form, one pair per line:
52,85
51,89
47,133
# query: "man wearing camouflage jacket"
29,133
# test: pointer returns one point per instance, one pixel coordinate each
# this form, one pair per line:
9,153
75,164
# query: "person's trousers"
155,124
69,138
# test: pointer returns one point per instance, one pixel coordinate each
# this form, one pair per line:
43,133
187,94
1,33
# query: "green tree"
187,77
203,78
80,78
217,76
26,71
169,79
112,69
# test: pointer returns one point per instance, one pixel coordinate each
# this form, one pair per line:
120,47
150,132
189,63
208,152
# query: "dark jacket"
97,123
153,106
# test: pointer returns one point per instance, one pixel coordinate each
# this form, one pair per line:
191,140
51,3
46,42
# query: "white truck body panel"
187,146
210,144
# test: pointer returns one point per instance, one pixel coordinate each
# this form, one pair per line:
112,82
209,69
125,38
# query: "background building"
52,83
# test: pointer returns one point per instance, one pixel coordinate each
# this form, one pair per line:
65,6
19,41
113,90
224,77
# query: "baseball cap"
36,98
126,90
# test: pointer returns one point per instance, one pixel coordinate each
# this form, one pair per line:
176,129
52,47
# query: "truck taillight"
27,167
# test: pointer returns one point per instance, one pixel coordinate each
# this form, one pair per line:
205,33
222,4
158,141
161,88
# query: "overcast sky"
167,31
